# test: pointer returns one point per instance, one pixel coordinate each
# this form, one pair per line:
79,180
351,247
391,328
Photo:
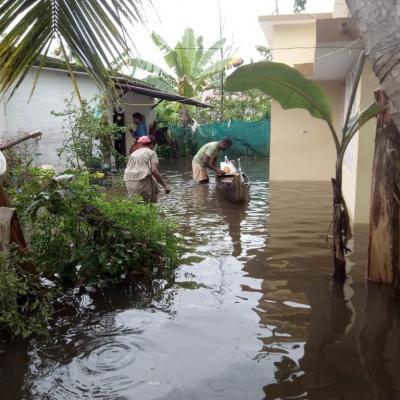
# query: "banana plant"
291,90
93,32
190,64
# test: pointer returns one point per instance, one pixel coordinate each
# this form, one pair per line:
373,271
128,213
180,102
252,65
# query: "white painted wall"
357,168
54,86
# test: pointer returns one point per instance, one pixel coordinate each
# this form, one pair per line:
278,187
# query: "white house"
325,48
20,115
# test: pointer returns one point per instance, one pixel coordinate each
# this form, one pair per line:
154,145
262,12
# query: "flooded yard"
253,313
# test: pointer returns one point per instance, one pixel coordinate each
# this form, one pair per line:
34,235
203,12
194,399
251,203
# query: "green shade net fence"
250,138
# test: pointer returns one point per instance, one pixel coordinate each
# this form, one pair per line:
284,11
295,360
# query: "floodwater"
253,313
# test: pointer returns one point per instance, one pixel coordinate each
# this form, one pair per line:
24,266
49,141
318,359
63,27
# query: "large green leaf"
208,55
161,43
363,117
284,84
151,68
93,31
189,48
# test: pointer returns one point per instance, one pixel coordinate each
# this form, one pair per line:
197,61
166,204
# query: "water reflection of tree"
346,345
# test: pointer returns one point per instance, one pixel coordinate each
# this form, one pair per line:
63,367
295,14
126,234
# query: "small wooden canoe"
234,187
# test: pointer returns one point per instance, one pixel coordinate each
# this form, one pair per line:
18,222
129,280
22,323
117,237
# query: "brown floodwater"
252,314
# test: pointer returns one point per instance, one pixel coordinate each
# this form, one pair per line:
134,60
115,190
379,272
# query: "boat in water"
234,187
235,184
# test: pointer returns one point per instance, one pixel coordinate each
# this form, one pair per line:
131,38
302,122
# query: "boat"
234,187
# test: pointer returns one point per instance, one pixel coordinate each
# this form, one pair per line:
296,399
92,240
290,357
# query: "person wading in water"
141,173
206,158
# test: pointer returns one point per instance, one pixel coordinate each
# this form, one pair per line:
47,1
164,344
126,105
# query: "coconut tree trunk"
383,251
378,24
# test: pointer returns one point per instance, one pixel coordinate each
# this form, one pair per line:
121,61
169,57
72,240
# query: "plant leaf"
93,32
363,117
284,84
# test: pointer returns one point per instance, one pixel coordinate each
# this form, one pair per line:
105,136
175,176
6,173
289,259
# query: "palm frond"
92,30
161,43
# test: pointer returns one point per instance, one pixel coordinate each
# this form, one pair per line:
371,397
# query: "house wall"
340,9
302,147
294,43
53,87
357,166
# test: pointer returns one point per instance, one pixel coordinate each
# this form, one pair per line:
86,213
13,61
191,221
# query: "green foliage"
78,236
284,84
191,64
164,151
25,305
265,52
89,137
168,113
249,106
91,32
20,159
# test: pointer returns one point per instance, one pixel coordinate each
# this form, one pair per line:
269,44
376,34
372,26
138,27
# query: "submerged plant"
291,89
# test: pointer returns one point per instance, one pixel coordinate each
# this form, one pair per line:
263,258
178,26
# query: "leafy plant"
291,89
20,160
190,63
249,106
89,137
25,305
77,235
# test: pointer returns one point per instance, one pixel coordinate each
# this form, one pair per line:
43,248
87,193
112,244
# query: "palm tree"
93,32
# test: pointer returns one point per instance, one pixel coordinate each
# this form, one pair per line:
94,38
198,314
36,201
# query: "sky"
169,18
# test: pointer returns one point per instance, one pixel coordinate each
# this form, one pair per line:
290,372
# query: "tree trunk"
384,235
378,24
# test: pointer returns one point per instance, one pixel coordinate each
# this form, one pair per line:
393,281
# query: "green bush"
89,136
78,236
25,305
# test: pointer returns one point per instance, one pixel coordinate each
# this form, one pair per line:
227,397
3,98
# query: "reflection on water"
253,313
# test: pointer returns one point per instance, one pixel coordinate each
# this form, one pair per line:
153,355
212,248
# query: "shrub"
89,137
78,236
25,305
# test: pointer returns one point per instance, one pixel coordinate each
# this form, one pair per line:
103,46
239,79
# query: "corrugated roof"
127,83
129,86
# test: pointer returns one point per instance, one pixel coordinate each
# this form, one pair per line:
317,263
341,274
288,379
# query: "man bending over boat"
206,158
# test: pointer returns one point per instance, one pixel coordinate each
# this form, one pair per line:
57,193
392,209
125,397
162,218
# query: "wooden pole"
32,135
